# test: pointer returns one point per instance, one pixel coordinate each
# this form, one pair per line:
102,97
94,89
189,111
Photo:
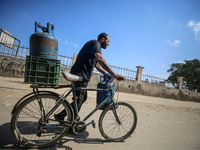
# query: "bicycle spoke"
31,126
111,129
25,128
30,113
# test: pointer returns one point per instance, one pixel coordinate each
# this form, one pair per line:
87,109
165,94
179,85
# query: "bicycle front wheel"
30,125
115,131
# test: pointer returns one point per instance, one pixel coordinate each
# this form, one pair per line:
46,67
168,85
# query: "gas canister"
44,44
102,95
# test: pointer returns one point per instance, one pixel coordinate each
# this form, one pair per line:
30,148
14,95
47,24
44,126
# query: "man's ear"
103,39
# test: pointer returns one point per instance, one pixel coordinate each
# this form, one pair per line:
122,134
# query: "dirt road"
163,124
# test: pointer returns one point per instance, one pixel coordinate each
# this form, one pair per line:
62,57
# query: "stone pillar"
180,82
139,73
74,58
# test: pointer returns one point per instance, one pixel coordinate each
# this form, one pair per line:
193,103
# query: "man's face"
105,44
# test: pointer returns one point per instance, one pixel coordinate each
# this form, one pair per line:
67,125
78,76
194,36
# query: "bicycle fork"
115,114
114,108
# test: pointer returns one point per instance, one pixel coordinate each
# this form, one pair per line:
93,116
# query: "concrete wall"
11,66
151,89
15,67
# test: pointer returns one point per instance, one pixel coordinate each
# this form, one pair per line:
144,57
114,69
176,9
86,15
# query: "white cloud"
164,76
66,42
190,23
179,62
74,44
163,66
58,38
174,43
195,27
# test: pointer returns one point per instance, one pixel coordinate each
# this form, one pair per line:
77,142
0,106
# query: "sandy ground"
163,124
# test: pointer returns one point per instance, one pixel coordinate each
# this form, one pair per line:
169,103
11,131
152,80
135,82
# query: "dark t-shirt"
86,60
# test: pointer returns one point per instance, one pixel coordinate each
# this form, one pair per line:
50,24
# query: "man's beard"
104,45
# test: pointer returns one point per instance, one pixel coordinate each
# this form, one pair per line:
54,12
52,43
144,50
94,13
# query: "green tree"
190,70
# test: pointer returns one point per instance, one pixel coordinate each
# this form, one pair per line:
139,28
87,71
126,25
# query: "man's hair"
102,35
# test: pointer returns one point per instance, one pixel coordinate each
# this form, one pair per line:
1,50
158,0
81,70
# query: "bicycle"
33,123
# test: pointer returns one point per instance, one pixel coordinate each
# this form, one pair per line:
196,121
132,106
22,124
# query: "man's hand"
119,77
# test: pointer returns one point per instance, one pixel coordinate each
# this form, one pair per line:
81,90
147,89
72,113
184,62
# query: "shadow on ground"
7,140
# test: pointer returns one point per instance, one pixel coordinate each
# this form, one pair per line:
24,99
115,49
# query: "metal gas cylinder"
44,44
102,95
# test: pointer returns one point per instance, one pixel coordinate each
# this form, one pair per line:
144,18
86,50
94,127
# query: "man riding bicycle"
90,56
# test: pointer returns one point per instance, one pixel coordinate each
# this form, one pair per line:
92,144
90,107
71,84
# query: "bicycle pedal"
93,124
39,134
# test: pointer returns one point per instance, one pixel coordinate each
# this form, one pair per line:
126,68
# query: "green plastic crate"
42,71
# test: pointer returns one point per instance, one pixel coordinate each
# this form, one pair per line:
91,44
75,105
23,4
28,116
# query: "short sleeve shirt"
86,60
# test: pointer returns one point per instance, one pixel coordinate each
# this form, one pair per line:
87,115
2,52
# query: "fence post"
17,49
180,82
139,73
74,58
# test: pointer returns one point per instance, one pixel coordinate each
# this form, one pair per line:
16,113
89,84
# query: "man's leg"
82,95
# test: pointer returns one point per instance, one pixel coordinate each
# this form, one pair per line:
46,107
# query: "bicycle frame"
97,107
73,89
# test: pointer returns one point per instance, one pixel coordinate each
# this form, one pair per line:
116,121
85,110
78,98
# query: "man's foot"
60,116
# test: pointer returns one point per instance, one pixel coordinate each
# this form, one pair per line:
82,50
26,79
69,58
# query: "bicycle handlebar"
111,78
120,78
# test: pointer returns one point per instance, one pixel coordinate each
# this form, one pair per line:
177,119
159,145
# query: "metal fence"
153,79
16,51
10,43
130,74
66,61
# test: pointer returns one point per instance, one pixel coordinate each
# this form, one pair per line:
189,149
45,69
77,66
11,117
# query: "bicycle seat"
71,77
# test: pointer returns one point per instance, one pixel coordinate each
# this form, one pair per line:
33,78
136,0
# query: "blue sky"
148,33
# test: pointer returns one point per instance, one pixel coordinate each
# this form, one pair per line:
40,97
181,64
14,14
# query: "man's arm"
98,67
101,61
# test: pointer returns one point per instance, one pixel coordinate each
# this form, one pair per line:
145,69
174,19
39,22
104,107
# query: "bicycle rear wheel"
110,129
30,126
